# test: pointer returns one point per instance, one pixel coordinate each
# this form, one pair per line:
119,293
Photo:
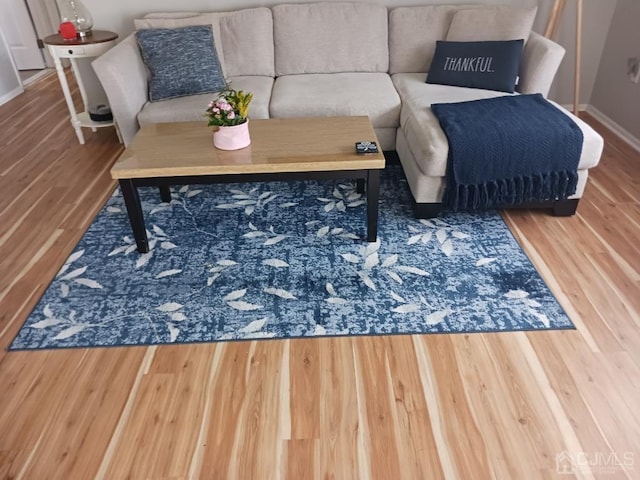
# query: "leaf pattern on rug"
65,280
287,259
249,200
444,234
343,196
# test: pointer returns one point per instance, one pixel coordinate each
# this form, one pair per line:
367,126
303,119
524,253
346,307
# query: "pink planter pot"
232,138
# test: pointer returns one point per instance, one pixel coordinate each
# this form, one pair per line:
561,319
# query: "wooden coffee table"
167,154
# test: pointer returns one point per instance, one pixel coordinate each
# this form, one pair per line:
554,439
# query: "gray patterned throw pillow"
181,61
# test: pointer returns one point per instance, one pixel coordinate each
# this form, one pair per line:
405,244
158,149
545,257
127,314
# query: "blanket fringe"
513,191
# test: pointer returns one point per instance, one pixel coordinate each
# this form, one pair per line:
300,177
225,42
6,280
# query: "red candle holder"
68,31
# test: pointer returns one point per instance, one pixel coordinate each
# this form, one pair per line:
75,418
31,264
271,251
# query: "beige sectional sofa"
334,58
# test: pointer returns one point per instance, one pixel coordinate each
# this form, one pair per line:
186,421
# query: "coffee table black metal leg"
134,209
165,193
373,189
360,185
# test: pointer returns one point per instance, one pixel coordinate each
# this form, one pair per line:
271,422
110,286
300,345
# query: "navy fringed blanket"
508,151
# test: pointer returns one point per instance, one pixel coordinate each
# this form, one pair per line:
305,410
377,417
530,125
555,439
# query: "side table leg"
78,77
373,190
134,209
79,133
118,132
359,185
75,123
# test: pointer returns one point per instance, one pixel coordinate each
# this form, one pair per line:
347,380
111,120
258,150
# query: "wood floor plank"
258,424
229,392
509,419
454,412
417,449
137,457
340,430
383,441
105,377
607,392
183,417
562,380
304,374
305,459
481,406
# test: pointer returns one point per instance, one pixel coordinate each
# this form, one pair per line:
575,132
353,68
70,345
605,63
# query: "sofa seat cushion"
421,128
191,108
336,94
426,140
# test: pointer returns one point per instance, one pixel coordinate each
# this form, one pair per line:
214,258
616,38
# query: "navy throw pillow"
181,61
490,65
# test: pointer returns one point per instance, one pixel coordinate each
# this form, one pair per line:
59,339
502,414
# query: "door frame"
18,90
45,19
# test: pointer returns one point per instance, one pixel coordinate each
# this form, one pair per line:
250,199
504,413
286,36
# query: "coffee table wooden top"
277,146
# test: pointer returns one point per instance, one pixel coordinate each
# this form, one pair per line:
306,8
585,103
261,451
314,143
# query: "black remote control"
366,147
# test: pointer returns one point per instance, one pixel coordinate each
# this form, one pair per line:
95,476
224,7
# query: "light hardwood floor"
473,406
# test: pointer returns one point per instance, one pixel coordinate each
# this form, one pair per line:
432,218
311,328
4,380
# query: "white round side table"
93,45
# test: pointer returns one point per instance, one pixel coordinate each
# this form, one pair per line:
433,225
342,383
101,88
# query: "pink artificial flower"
231,115
216,110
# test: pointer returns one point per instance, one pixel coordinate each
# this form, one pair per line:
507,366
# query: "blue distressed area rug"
285,260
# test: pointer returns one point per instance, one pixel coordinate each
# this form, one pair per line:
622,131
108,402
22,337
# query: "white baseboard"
41,74
12,94
614,127
581,107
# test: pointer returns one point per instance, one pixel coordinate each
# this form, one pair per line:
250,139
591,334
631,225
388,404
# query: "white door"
10,85
19,33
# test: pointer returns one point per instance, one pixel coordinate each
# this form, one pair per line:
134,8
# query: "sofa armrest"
123,76
540,61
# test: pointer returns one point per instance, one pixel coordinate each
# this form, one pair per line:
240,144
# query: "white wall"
10,84
117,15
614,94
597,15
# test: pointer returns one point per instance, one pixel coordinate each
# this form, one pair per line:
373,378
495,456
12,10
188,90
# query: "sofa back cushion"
495,23
413,33
247,41
331,37
243,39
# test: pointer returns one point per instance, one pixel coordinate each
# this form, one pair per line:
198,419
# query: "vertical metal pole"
576,80
554,19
